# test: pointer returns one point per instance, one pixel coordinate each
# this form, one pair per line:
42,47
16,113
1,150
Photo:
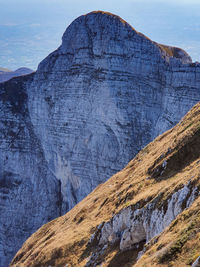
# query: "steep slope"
6,74
92,104
158,190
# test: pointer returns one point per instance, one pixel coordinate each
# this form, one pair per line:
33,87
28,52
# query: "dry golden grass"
64,240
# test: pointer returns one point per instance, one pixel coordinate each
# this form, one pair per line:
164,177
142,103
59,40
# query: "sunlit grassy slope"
64,240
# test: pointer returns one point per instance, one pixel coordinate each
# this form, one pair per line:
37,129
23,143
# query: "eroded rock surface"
91,106
132,226
29,192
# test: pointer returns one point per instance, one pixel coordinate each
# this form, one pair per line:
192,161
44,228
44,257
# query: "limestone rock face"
29,192
105,93
130,227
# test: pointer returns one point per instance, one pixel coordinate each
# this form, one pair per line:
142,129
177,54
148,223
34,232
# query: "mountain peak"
99,32
97,26
108,15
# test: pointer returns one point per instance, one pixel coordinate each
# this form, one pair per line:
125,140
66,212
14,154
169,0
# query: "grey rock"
29,192
196,263
131,226
93,103
132,236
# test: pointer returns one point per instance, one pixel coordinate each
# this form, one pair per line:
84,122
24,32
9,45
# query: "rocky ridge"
92,104
145,215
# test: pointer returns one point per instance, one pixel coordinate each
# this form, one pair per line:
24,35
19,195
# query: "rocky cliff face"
91,106
104,94
29,192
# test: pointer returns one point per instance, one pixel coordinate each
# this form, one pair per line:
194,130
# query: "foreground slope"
151,205
105,93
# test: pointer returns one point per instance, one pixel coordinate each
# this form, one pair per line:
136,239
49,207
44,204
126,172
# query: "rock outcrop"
6,75
92,104
196,263
131,226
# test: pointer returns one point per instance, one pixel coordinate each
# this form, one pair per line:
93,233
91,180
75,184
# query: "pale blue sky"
31,29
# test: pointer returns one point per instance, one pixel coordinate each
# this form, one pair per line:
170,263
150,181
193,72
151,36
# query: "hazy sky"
31,29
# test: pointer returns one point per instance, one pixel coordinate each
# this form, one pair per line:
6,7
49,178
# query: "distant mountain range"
6,74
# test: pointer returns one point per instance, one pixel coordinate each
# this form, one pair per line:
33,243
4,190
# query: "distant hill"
6,74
